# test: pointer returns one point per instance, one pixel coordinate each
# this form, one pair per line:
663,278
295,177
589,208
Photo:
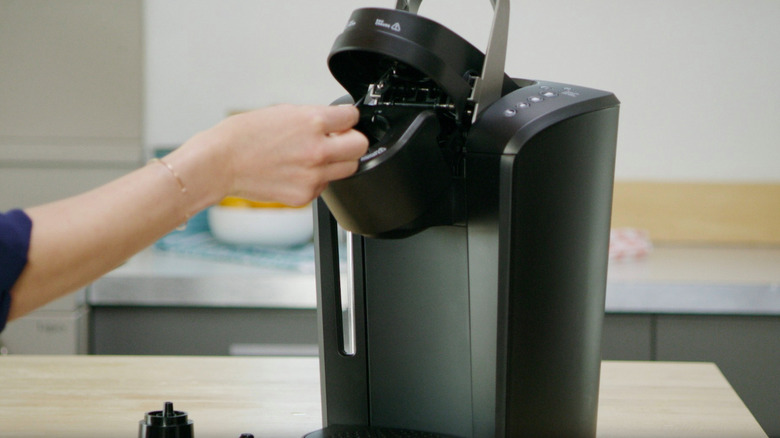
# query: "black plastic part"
412,79
166,423
495,132
344,394
375,38
396,183
557,196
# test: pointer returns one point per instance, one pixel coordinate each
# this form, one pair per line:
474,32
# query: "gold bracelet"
182,187
173,172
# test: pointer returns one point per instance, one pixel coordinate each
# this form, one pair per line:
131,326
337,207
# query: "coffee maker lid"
375,38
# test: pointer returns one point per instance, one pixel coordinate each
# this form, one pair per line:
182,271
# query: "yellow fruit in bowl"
240,221
234,201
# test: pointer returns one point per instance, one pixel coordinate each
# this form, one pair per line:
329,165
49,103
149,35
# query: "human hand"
289,153
286,153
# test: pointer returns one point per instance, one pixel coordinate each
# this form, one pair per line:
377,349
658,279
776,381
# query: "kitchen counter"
158,278
697,280
686,280
102,396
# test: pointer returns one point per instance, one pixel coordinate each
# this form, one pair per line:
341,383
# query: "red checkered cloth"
629,243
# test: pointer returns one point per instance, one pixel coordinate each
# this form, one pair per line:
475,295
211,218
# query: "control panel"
545,96
530,109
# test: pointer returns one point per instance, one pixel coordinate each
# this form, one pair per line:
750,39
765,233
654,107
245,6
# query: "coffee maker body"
467,297
490,326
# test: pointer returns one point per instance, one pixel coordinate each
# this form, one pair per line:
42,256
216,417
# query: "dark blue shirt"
15,228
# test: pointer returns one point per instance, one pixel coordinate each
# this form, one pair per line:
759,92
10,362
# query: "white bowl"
261,226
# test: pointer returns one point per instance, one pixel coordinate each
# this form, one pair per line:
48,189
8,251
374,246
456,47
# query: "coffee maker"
467,297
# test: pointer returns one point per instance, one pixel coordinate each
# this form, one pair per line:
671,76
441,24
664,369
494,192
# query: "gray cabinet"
140,330
628,337
745,348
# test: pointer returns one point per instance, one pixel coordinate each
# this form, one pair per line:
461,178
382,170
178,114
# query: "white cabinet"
60,327
71,93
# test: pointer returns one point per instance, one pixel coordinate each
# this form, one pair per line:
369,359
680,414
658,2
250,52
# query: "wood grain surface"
106,396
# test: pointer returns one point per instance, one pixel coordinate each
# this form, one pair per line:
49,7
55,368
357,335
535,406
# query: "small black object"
246,435
166,423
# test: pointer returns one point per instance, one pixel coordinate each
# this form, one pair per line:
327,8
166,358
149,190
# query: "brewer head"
411,79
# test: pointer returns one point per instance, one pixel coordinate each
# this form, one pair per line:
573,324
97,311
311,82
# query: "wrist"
202,166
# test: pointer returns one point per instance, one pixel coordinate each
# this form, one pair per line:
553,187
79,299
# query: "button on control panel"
538,97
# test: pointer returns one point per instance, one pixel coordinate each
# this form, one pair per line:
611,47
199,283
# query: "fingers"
339,118
308,188
339,170
345,146
289,153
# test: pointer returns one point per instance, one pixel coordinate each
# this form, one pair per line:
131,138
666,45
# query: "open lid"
375,39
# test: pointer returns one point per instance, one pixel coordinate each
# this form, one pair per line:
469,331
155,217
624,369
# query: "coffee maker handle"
489,85
408,5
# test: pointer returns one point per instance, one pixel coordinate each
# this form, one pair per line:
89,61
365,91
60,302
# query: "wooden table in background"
106,397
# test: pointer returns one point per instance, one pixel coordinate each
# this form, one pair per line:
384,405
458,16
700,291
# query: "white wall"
698,79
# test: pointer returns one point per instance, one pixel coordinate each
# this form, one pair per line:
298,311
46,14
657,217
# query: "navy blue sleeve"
15,228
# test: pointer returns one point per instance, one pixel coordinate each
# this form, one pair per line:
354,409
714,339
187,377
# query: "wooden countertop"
106,396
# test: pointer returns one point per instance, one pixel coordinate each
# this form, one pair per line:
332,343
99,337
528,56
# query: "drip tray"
371,432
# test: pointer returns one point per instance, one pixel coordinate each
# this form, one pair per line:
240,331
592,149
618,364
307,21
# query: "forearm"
285,154
76,240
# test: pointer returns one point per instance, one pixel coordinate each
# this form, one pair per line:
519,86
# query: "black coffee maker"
468,298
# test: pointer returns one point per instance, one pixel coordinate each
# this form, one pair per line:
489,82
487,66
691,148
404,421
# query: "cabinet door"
745,348
203,331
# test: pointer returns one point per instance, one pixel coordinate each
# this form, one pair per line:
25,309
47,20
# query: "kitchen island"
107,396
